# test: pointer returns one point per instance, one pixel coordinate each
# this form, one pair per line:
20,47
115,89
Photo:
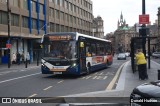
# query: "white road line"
47,88
19,77
101,73
105,77
111,84
94,77
60,82
88,77
33,95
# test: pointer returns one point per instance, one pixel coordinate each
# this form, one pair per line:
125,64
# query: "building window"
25,4
61,3
25,22
3,1
57,28
33,4
14,3
14,20
51,27
51,12
66,4
57,14
41,25
41,8
3,18
61,15
34,23
71,20
57,2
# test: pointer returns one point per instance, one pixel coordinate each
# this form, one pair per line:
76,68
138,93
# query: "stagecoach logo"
57,63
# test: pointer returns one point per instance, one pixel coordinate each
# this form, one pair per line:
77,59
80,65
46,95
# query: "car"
147,94
156,54
127,54
121,56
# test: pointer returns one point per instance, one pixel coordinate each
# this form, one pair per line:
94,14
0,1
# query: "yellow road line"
60,82
47,88
111,84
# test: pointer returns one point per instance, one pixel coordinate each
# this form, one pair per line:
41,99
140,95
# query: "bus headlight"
73,64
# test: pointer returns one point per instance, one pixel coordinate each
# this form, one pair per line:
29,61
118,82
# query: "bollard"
158,74
26,63
37,62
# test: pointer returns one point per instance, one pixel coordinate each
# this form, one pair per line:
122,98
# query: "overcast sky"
110,11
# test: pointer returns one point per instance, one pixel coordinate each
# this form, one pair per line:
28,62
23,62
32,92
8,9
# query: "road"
31,83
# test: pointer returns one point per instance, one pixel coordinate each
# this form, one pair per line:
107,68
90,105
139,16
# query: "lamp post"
143,29
9,23
158,41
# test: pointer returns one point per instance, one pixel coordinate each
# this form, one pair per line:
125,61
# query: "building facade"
98,28
30,19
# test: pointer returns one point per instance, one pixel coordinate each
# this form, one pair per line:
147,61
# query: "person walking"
18,58
22,56
13,58
28,57
142,65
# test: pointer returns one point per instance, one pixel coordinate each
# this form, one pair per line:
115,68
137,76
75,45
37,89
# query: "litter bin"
159,74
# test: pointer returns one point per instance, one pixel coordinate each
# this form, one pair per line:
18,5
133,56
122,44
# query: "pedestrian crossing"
97,76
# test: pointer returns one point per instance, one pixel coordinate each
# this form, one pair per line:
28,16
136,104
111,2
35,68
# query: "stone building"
123,35
98,28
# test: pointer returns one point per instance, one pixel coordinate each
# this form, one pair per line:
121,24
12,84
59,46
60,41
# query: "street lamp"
9,23
158,28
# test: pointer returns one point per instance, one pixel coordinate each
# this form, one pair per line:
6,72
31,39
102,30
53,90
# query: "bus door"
82,54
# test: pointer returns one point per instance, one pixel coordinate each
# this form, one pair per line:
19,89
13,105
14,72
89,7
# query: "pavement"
121,86
4,67
125,83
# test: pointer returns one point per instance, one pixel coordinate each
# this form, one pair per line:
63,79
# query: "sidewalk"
126,83
4,67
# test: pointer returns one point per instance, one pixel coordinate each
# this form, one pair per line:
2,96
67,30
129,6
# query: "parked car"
147,94
121,56
156,54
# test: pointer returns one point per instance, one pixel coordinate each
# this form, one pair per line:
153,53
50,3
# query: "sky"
110,11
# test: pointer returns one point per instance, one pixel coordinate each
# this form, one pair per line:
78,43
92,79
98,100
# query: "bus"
74,53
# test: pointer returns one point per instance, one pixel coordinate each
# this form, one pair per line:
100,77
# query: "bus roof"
77,35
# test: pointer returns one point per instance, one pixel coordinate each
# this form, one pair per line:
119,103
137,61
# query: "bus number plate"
57,72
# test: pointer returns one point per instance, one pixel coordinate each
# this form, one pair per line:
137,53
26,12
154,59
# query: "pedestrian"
18,58
142,65
28,57
22,56
13,58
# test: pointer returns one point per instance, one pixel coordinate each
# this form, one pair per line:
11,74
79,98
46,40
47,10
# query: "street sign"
8,45
144,19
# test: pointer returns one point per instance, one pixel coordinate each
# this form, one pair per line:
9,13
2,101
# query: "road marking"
60,82
101,73
32,95
105,77
47,88
19,77
94,77
88,77
111,84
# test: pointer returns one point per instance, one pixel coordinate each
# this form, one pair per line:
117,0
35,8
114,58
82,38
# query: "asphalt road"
31,83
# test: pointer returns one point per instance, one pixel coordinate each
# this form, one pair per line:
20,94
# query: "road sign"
144,19
8,45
